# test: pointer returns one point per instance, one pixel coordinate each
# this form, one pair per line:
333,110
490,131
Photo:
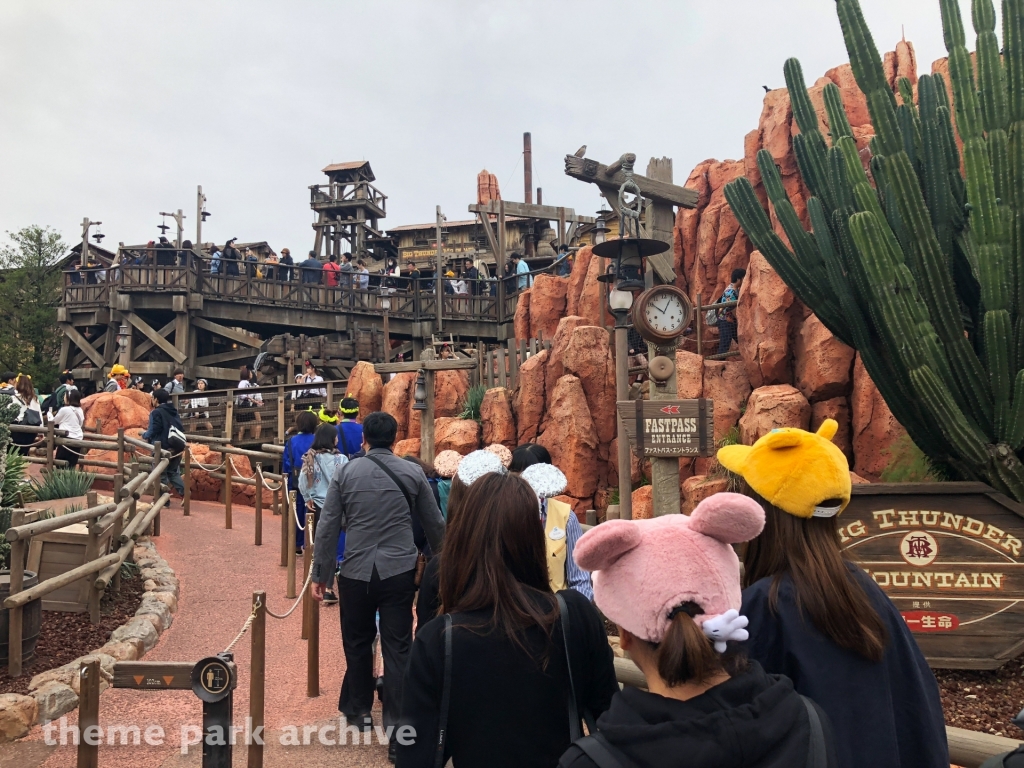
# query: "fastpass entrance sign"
949,555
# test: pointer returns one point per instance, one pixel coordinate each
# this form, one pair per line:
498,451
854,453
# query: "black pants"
68,455
360,603
726,334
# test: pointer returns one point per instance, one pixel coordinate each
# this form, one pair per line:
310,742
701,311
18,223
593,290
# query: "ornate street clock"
662,313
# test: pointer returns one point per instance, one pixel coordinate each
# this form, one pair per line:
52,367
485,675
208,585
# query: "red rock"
721,246
687,222
699,487
487,187
521,320
460,435
571,438
689,375
580,267
591,305
875,429
547,304
725,383
408,447
768,408
838,409
366,386
395,400
613,465
822,363
858,480
528,401
498,421
111,456
450,390
589,357
555,368
207,488
764,316
106,412
643,502
579,506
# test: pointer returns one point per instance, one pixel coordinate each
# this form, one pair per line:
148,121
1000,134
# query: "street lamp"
600,228
124,335
385,304
620,302
420,397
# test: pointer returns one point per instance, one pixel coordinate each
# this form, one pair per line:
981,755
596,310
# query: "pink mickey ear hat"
642,569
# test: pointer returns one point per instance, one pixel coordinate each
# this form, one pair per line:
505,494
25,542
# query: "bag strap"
575,732
446,690
816,757
393,476
344,440
603,754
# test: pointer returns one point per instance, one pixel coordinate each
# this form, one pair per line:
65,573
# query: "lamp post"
600,228
201,216
620,302
124,337
83,257
385,304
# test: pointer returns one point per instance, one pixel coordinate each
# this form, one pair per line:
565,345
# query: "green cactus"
919,266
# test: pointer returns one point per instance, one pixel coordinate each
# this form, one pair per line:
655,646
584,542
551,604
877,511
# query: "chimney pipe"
528,168
540,196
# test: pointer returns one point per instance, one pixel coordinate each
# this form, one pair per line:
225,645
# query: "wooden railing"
698,324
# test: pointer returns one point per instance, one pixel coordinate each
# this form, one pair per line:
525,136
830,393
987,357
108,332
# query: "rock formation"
106,412
366,386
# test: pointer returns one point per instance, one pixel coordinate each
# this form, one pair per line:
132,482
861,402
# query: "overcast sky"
117,110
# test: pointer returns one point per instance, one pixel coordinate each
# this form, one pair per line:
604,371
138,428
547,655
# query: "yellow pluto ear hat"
795,470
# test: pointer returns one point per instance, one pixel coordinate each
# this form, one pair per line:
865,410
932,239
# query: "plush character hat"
118,370
645,570
446,462
547,480
795,470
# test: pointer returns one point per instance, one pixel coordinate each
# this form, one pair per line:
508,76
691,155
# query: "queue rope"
309,576
202,466
245,626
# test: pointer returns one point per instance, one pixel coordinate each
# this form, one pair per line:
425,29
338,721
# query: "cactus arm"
1015,433
998,331
839,123
957,430
991,86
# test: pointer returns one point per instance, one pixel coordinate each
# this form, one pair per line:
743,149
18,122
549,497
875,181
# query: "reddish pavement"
219,570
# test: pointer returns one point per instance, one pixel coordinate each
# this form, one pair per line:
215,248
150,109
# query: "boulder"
697,488
151,605
764,315
689,375
643,502
547,304
726,385
591,305
498,421
858,480
686,225
779,405
459,435
168,599
207,488
124,651
588,356
136,629
823,364
720,245
875,429
555,368
106,412
409,446
111,456
17,716
580,267
53,700
395,400
528,400
571,437
450,390
366,386
521,320
838,409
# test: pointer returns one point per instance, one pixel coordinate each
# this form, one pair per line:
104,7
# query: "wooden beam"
83,344
594,172
491,239
149,332
224,357
147,345
210,372
428,365
81,356
530,211
230,333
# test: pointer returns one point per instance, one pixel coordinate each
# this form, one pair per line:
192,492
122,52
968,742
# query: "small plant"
613,496
129,570
474,399
908,464
16,489
62,484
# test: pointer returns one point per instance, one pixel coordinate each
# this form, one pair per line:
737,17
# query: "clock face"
665,313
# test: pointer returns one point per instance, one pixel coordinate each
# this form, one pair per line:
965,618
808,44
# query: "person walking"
373,499
350,431
726,321
286,265
510,688
564,261
199,405
176,385
294,449
248,404
71,419
672,586
319,464
164,416
823,622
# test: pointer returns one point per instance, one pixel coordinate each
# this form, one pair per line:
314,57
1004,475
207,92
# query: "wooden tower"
348,209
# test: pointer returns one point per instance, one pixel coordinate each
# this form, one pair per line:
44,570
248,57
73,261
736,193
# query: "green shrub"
908,464
62,484
474,399
15,482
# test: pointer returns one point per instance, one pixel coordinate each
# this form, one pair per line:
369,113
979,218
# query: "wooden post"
119,477
591,517
14,615
278,499
330,384
625,459
313,622
89,737
258,500
480,357
186,500
290,514
439,270
513,363
280,414
227,491
427,421
523,353
257,677
229,413
307,563
154,488
92,552
50,445
490,370
499,261
502,373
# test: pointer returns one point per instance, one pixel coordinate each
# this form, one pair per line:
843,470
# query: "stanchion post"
92,551
307,563
186,500
155,488
14,615
279,497
290,594
119,477
258,499
89,715
50,445
313,648
227,491
257,677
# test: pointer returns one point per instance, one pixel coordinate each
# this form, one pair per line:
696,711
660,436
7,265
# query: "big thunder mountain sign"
949,555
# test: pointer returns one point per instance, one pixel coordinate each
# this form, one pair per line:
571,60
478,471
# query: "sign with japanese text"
668,428
949,556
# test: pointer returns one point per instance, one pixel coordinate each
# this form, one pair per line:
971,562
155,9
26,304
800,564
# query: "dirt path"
219,570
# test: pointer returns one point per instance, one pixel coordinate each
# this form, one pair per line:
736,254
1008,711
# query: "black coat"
506,710
886,714
161,419
753,720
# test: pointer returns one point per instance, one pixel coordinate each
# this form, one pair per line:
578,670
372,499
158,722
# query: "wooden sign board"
951,558
154,675
668,428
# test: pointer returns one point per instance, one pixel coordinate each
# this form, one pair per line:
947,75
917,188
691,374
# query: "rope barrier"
263,480
202,466
245,626
298,600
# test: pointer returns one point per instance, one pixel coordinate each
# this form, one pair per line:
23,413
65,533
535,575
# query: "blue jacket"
294,450
350,437
885,714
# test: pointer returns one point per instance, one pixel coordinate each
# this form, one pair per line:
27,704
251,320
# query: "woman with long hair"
29,413
822,621
508,689
672,586
319,464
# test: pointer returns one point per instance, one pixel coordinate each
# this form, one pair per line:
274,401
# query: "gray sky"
117,110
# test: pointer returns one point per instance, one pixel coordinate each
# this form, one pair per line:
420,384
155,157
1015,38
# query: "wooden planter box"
951,558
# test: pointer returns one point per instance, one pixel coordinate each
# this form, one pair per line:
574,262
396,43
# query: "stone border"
55,692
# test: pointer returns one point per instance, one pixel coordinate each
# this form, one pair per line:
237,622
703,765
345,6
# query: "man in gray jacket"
373,499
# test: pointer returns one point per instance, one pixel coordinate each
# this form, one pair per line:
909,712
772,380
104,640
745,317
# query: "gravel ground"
984,701
66,636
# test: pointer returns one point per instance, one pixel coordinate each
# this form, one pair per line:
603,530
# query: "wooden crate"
51,554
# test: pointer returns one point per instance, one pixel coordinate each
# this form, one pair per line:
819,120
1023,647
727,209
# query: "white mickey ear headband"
476,465
547,480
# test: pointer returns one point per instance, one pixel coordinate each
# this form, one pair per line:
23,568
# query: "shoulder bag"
421,560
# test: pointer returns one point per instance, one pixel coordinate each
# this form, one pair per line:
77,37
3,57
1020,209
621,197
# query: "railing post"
502,373
14,615
89,735
229,412
154,487
280,413
513,363
92,552
258,503
330,395
290,515
280,502
119,477
227,490
307,563
257,678
186,499
313,629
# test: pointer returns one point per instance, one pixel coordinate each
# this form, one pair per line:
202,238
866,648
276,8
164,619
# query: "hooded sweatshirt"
753,720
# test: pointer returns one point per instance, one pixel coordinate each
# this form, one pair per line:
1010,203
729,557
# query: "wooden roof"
352,167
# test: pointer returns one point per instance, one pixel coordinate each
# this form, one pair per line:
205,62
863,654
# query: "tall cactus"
918,266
